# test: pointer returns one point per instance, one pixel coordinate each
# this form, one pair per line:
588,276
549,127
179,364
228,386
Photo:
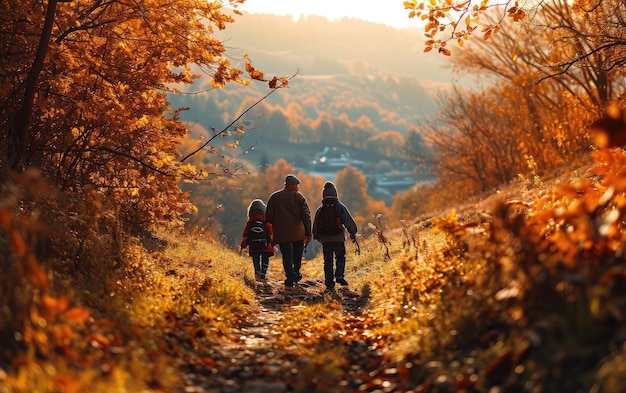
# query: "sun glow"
390,13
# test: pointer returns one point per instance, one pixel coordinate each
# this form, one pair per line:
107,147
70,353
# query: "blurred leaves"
525,283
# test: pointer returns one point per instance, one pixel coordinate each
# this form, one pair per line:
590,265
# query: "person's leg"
298,249
327,250
256,263
287,250
340,254
265,262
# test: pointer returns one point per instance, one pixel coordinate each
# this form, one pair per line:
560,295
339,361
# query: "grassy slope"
518,295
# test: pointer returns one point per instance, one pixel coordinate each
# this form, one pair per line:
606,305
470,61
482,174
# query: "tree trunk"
18,132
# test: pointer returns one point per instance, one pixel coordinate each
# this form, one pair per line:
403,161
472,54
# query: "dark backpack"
329,220
258,237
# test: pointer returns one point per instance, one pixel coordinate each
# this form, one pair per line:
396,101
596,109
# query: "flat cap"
292,179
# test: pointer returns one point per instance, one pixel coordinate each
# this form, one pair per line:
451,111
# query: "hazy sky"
390,12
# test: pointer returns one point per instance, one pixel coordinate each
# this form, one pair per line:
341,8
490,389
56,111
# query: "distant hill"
318,47
355,79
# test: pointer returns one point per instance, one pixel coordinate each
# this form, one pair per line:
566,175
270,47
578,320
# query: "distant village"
381,185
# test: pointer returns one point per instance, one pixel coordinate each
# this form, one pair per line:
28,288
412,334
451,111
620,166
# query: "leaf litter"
256,357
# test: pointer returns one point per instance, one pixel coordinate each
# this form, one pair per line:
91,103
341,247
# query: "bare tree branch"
225,129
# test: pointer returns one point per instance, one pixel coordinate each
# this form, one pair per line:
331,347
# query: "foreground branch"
225,129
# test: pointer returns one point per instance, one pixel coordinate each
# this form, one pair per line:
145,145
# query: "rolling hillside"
354,80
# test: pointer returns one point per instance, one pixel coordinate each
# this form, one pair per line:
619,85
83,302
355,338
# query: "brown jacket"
290,216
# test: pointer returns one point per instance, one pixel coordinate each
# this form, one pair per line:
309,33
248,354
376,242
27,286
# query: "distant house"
384,187
396,183
334,159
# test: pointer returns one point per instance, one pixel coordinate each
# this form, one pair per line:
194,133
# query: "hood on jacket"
257,206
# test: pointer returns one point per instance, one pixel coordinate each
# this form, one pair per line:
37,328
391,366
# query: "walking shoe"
298,278
342,281
257,276
289,283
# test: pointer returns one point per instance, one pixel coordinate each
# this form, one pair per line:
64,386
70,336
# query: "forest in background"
351,85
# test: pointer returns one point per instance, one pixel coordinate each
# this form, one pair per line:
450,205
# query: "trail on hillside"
254,358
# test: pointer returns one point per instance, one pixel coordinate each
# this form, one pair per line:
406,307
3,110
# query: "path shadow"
275,296
354,301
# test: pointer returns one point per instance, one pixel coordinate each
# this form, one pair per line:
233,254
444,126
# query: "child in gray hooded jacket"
331,221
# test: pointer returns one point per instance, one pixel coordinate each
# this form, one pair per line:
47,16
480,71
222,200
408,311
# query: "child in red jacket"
258,237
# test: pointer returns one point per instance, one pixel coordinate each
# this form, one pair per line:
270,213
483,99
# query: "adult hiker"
290,216
332,219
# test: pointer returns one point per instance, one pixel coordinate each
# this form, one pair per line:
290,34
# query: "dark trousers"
337,251
292,258
260,261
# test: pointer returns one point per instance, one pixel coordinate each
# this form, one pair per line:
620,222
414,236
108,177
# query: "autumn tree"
599,29
489,137
352,189
424,201
386,144
415,148
523,122
84,88
477,144
527,56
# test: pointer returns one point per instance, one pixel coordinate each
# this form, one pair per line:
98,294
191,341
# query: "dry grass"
518,292
100,326
515,293
192,272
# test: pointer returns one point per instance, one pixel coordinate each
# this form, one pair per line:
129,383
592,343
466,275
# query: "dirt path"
252,359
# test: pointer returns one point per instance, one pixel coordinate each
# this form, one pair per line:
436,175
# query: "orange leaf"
53,304
500,364
77,314
208,361
63,333
67,383
17,243
98,340
36,275
5,218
